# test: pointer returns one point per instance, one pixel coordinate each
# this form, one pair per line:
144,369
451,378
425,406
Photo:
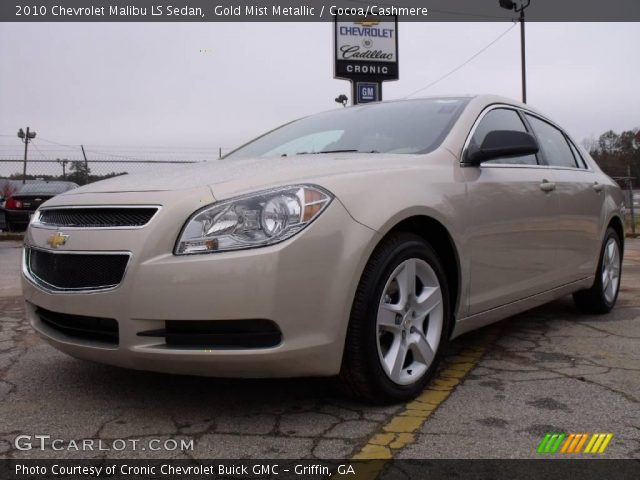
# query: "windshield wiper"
336,151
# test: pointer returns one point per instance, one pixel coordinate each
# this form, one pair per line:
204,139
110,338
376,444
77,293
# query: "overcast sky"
117,84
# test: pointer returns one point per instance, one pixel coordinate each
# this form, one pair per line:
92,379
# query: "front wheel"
399,322
601,297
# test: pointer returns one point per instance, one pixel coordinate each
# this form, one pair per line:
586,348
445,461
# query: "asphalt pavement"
500,391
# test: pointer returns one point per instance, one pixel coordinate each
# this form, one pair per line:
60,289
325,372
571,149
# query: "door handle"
547,186
598,187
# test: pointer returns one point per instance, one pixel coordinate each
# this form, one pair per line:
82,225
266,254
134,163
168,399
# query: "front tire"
602,296
399,322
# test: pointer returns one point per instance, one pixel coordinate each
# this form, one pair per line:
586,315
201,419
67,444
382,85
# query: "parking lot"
501,389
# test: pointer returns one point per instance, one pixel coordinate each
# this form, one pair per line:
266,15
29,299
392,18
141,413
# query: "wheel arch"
617,224
437,235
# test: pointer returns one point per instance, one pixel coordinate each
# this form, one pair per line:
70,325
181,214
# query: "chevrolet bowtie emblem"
57,239
367,21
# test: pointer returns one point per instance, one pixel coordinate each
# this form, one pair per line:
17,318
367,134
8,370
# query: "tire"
395,336
601,297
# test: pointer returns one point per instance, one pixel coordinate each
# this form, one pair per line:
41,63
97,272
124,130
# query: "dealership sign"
366,48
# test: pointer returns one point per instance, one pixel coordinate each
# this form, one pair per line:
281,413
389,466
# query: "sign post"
366,53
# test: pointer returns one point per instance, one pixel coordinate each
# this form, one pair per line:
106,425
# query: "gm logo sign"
367,92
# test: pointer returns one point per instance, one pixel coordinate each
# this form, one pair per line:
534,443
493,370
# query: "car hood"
228,177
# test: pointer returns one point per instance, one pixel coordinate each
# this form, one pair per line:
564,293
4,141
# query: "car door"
580,201
511,230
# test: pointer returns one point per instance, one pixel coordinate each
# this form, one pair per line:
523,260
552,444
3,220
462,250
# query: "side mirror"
502,144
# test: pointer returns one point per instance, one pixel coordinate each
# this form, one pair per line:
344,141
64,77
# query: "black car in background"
19,206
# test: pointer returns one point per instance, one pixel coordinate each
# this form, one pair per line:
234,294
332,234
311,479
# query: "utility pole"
26,138
63,162
511,5
523,60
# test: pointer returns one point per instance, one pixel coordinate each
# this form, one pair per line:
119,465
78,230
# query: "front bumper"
305,285
18,217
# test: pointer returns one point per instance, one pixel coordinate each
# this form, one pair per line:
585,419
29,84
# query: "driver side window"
502,119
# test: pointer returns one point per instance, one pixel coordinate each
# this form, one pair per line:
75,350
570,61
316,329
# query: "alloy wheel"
610,270
409,321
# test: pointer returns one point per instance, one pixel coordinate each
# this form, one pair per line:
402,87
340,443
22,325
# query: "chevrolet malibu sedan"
353,243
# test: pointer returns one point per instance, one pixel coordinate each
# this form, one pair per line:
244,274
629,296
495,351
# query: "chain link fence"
13,173
52,161
81,172
632,202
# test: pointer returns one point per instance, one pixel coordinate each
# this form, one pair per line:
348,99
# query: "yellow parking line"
399,431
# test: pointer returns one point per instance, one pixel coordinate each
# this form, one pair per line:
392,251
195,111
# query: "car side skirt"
488,317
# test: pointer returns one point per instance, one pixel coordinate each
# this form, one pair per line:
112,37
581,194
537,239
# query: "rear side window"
502,119
576,153
553,143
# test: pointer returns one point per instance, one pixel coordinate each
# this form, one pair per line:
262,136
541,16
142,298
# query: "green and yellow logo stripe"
574,443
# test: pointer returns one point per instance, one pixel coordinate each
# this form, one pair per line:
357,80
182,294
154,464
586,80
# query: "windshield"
412,126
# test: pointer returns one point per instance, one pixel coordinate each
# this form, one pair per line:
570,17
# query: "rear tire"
602,296
400,321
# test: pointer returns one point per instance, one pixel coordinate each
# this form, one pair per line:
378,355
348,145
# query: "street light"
26,138
342,99
511,5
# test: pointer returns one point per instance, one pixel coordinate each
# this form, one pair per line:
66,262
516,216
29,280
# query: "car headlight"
35,216
254,220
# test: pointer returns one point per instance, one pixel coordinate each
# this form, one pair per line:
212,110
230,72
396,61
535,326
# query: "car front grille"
98,217
76,271
99,329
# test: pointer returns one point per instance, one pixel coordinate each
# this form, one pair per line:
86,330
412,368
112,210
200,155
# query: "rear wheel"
601,297
399,322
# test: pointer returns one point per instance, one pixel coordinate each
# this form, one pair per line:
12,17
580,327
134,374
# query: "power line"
133,147
484,49
38,150
153,147
123,149
114,155
59,144
125,157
